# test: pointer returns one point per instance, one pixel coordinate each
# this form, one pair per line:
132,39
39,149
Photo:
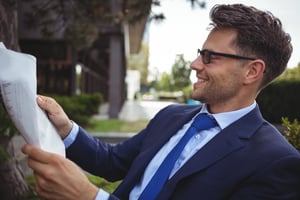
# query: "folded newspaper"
18,87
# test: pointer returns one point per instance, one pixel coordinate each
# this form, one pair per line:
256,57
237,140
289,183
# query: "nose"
197,64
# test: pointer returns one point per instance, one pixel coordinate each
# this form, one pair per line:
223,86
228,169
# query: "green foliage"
103,184
165,83
78,107
181,73
281,98
81,107
178,79
116,125
139,61
7,128
81,33
7,131
292,132
187,91
291,74
4,156
79,20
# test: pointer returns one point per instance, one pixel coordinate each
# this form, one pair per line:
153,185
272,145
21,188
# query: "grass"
103,184
116,125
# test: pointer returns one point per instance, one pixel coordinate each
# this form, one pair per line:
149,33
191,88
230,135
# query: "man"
240,157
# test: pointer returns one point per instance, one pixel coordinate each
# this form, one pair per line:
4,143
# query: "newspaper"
18,91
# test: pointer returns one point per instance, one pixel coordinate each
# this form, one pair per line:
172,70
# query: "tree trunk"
9,24
12,183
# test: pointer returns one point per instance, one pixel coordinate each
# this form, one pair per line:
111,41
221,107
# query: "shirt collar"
226,118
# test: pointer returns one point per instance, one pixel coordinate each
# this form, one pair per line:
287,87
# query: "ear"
254,71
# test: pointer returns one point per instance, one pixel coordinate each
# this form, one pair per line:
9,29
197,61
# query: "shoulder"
277,139
179,108
174,115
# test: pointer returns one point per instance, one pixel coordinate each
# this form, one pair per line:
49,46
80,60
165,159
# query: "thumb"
48,104
36,153
42,101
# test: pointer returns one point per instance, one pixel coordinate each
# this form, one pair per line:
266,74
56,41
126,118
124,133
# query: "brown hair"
259,34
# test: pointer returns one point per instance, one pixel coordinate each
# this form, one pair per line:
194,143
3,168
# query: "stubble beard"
215,94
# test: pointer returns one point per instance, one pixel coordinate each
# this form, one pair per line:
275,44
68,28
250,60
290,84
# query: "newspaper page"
18,87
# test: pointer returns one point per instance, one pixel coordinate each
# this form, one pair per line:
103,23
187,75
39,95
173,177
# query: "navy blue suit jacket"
249,159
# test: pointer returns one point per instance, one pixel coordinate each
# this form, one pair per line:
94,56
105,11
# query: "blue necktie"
201,122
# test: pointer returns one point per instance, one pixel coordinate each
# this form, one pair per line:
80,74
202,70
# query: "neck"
227,107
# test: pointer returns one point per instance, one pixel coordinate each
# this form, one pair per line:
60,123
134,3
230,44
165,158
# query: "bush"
81,107
7,128
292,132
7,131
280,99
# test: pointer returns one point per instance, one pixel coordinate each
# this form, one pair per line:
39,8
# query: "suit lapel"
162,133
229,140
161,130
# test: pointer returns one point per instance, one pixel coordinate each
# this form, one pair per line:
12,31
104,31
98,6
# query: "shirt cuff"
72,135
102,195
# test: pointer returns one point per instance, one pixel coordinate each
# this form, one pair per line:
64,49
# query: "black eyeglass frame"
206,55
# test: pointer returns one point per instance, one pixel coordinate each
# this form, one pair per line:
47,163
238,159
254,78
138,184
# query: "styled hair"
259,34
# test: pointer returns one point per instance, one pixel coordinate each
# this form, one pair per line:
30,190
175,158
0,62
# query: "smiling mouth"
201,80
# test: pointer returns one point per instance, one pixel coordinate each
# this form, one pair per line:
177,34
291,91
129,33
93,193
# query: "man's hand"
57,177
56,115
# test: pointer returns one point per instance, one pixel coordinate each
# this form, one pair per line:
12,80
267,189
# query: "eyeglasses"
206,55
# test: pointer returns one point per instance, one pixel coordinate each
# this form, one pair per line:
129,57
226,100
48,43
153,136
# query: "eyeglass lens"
205,56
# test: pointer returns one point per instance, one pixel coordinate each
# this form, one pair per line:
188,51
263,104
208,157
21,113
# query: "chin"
196,97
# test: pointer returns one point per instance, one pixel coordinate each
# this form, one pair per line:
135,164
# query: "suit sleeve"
108,161
279,180
111,162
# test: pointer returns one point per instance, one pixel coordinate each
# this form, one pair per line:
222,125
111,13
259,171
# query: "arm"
57,177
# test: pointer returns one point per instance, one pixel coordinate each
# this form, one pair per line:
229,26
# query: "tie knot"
203,122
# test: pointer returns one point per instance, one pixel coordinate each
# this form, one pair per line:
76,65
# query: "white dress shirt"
194,145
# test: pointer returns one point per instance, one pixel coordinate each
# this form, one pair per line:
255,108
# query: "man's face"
220,81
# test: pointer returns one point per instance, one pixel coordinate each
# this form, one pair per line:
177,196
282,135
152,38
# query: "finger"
38,166
44,188
40,100
43,193
36,153
48,104
41,182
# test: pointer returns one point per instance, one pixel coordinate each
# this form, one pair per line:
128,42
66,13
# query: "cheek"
229,79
